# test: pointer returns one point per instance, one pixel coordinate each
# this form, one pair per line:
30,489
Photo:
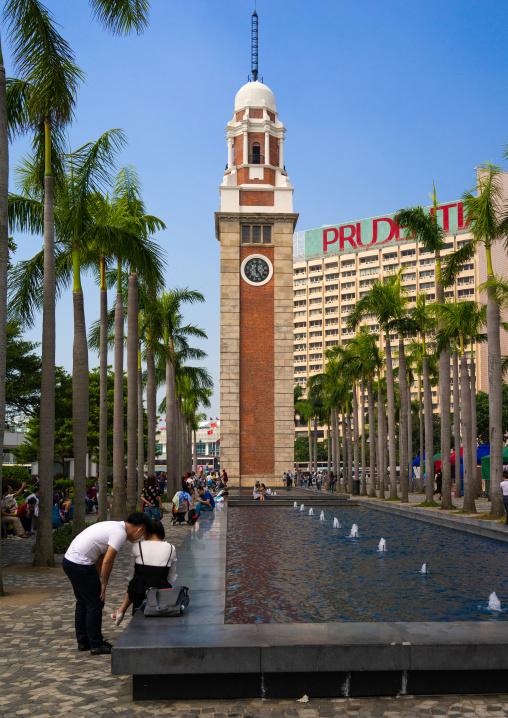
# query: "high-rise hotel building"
334,266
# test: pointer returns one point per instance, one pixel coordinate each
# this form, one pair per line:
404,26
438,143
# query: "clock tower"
255,228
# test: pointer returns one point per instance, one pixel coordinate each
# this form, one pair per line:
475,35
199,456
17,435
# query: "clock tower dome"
255,228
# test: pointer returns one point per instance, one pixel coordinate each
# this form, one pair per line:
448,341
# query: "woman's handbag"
165,602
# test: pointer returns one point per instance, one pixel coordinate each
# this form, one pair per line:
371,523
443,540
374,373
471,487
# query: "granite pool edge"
477,527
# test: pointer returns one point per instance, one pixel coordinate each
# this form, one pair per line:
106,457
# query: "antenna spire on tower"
254,48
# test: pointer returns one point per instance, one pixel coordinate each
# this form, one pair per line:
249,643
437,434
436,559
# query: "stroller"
183,514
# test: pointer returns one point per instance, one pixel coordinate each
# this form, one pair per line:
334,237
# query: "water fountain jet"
354,531
382,545
423,569
494,602
336,524
302,507
311,512
322,516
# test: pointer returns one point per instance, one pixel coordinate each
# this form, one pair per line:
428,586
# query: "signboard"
375,232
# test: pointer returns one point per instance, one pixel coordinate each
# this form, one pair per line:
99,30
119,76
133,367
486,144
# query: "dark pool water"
284,565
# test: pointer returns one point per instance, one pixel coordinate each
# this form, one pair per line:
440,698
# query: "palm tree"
461,321
369,361
305,411
172,346
45,101
386,301
128,196
484,214
427,232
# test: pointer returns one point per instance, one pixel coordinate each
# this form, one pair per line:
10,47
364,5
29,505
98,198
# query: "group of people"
21,518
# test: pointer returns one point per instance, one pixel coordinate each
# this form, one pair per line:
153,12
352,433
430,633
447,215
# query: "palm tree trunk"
103,398
310,445
474,428
420,478
456,418
151,408
315,445
336,456
118,510
356,433
44,544
344,452
141,432
334,447
444,400
349,453
390,400
444,396
80,409
372,440
195,454
329,464
469,484
495,406
132,390
410,439
171,427
382,441
364,458
429,433
403,422
4,253
189,446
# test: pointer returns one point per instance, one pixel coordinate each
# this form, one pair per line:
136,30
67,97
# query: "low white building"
207,444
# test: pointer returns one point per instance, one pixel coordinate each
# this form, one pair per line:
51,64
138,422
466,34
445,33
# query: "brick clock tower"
255,228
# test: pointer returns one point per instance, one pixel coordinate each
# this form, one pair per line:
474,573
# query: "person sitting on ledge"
256,492
204,501
152,566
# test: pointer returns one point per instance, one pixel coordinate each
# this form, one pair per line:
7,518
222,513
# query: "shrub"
62,538
14,473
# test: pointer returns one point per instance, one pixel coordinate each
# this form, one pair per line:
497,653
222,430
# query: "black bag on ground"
164,602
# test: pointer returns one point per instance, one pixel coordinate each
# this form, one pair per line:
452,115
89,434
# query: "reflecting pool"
284,565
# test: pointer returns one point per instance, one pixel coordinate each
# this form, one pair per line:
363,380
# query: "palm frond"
452,264
25,214
120,17
44,59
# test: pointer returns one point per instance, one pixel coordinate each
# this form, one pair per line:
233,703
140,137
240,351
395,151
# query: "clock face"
256,270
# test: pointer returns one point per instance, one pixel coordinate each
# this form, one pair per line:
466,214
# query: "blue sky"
379,100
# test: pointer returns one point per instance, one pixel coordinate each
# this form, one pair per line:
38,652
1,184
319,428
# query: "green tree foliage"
29,451
482,416
23,374
302,449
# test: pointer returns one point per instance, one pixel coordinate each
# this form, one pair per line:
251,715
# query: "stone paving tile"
42,674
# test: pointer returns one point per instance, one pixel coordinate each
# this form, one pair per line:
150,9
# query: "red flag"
210,432
217,442
211,419
213,425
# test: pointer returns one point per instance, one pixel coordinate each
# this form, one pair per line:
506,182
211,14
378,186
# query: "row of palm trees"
441,334
108,232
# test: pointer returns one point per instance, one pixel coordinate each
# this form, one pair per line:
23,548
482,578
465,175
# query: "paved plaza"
42,674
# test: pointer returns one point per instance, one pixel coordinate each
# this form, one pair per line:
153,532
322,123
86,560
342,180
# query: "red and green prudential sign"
376,232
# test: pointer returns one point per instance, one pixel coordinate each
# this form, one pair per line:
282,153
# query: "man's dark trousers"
87,589
505,502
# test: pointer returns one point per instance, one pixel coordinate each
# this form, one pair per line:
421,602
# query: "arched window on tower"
255,158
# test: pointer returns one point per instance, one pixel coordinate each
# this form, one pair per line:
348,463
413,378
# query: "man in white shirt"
35,517
88,563
504,489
